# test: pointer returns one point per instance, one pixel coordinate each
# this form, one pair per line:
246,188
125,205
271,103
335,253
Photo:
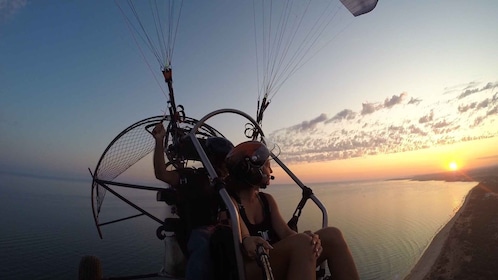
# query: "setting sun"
453,166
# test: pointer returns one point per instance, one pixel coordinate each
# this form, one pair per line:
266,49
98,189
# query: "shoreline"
465,248
435,247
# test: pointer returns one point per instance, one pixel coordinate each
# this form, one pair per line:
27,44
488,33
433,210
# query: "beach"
466,247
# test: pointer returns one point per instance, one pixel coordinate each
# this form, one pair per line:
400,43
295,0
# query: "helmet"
245,161
217,148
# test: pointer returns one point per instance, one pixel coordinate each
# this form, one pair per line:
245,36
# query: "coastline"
433,250
465,248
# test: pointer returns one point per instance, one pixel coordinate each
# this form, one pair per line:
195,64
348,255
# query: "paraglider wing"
359,7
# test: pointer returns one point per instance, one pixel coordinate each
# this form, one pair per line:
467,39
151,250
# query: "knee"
302,238
302,245
331,236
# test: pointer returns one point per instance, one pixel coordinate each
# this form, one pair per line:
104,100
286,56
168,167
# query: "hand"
250,244
159,132
315,242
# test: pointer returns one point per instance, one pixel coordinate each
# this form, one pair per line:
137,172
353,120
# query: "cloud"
416,130
483,104
441,124
477,121
395,100
345,114
383,127
465,108
427,118
469,91
307,125
490,86
9,7
414,101
493,111
369,108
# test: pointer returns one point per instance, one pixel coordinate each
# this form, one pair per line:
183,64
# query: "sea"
47,225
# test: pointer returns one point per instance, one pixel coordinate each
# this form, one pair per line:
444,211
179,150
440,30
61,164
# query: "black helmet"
245,161
217,148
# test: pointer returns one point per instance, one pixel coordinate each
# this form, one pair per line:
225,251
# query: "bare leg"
337,254
291,258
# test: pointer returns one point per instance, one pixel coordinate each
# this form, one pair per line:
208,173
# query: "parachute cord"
282,58
313,38
164,51
304,47
278,60
129,25
270,50
159,32
256,48
147,37
266,51
330,40
173,40
286,68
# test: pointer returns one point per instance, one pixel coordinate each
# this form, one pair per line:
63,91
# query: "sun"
453,166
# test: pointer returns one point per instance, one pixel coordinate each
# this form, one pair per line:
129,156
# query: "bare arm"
169,177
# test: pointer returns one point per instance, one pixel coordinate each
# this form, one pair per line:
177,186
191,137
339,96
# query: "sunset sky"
406,89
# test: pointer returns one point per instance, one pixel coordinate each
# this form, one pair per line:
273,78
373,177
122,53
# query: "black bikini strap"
264,201
242,210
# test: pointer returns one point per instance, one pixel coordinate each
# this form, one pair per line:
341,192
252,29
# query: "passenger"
292,255
199,201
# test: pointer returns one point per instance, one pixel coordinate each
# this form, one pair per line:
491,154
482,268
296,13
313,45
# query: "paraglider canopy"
359,7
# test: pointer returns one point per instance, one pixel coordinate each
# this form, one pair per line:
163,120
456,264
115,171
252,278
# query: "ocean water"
47,225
